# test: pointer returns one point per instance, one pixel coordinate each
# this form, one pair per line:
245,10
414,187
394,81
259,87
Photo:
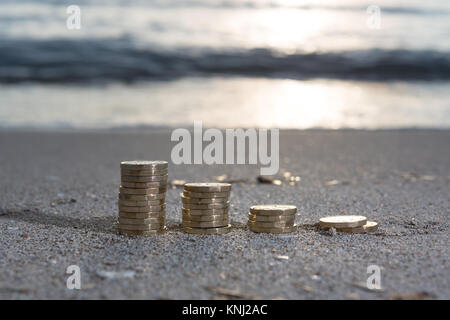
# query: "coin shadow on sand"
105,224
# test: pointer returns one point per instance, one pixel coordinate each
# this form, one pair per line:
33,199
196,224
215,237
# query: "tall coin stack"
205,208
272,218
142,197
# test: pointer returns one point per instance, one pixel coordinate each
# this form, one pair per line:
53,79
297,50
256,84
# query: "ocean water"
230,63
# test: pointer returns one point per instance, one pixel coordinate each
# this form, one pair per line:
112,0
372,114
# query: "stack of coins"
205,208
272,218
348,224
142,196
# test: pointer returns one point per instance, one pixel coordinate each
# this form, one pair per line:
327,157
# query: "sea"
288,64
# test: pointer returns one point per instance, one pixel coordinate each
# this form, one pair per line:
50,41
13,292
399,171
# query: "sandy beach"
58,207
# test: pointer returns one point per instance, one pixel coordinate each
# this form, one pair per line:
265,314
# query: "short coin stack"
205,208
348,224
272,218
142,196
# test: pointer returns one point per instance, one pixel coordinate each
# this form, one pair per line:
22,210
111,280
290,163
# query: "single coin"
215,217
142,221
271,224
203,224
342,221
141,233
127,172
273,209
144,165
154,187
137,203
204,212
141,196
144,178
370,226
223,205
207,187
207,195
139,191
185,199
142,215
143,227
142,209
287,217
273,230
221,230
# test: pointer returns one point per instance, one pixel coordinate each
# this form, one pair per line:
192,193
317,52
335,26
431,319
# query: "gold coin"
127,172
253,217
154,187
136,203
141,233
271,224
370,226
142,209
223,205
342,221
215,217
159,220
140,197
142,215
141,227
207,187
126,194
221,230
273,230
273,209
207,195
144,178
185,199
144,165
204,212
203,224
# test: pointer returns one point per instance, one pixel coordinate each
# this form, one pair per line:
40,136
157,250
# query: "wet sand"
58,208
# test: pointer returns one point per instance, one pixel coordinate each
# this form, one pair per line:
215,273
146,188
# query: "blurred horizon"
286,64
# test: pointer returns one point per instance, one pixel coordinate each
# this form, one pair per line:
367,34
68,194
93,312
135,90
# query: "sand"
58,208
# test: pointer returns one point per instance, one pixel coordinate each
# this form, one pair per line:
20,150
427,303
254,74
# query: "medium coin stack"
272,218
348,224
142,197
205,208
